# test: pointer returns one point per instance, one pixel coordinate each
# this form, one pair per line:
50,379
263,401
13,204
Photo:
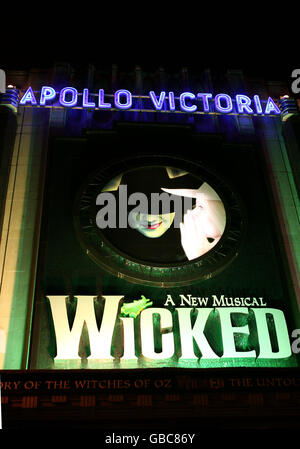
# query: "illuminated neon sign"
191,330
123,99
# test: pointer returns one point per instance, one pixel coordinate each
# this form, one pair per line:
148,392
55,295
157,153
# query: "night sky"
258,51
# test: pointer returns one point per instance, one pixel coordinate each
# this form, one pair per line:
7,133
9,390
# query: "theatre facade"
149,257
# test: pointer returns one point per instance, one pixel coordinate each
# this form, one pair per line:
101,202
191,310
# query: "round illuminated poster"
158,221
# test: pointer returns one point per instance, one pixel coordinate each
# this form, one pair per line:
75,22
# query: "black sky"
257,52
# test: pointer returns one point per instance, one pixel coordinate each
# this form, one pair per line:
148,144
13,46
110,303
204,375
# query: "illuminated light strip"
209,98
150,111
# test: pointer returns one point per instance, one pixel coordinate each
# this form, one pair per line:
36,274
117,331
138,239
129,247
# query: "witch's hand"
193,235
205,221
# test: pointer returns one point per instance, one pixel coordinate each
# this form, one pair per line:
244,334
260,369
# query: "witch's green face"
151,226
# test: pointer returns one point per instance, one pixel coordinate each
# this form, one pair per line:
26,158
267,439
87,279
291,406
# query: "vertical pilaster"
291,135
285,199
8,126
20,235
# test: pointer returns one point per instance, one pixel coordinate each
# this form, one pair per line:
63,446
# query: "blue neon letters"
68,97
183,102
243,104
205,100
223,103
47,93
123,104
158,104
28,97
122,99
85,100
101,102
